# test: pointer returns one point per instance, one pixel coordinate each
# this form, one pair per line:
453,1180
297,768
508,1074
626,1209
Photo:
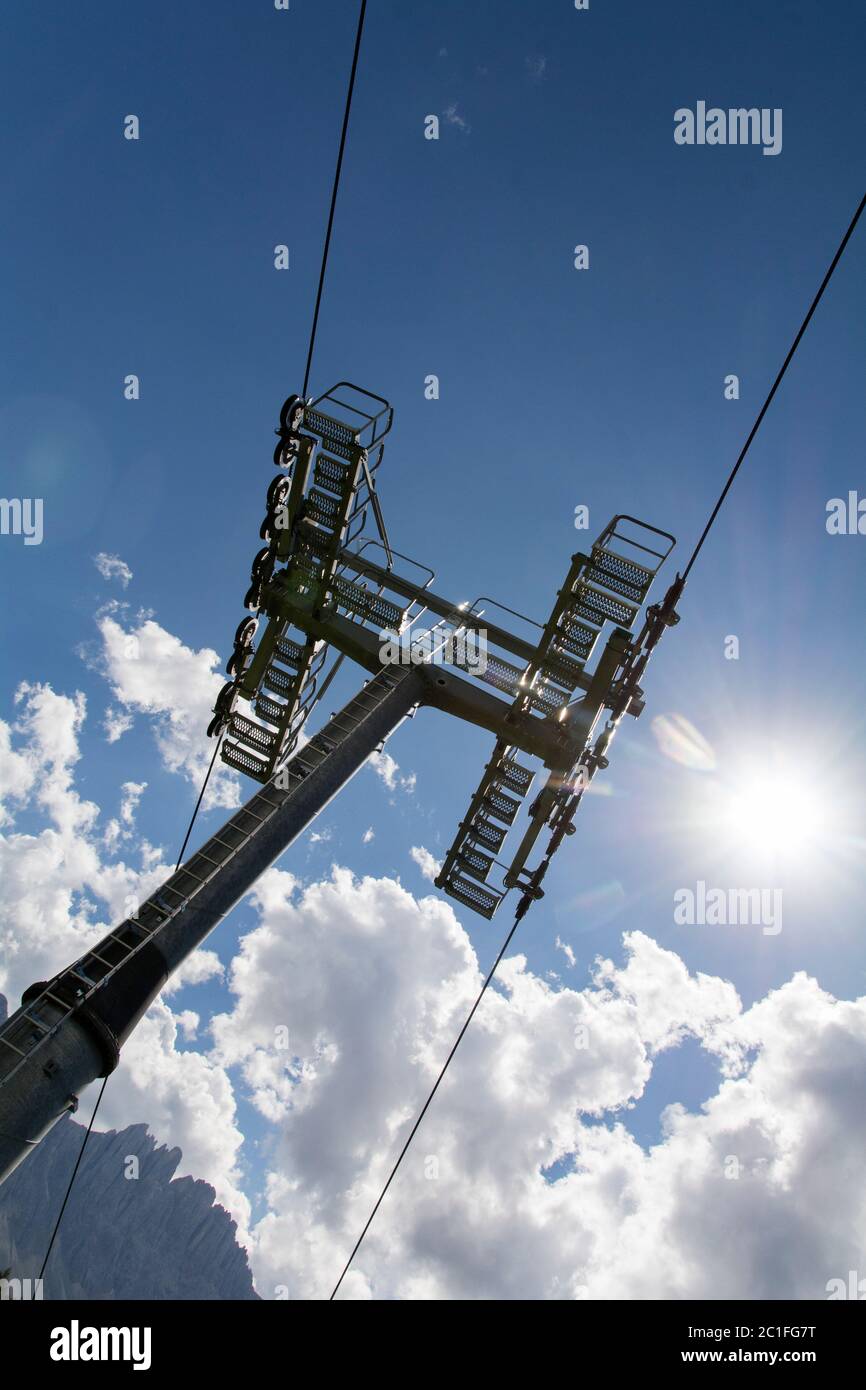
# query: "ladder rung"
217,863
96,956
224,843
114,937
139,926
168,888
12,1046
184,870
46,1027
61,1003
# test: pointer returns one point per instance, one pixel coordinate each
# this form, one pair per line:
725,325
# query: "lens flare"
779,812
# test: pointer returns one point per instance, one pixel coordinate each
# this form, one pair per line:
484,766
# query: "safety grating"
466,891
487,834
595,605
321,507
500,806
514,777
262,739
366,604
623,576
502,674
290,653
280,682
333,475
476,864
244,761
271,710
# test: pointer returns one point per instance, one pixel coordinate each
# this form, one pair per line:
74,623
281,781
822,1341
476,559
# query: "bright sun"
772,808
772,812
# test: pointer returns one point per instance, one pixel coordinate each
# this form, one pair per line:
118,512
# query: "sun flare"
778,813
777,809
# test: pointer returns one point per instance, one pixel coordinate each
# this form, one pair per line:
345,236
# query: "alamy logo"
846,517
76,1343
854,1288
738,126
729,907
20,1290
22,516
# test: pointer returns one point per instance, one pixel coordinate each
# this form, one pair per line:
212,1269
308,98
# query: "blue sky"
558,387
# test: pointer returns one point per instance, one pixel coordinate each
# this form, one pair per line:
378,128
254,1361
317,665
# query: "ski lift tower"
328,586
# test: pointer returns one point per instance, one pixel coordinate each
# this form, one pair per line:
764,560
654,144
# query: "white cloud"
112,567
368,836
151,671
566,950
202,965
187,1100
17,772
454,117
53,879
131,795
116,723
385,767
426,862
122,827
373,987
188,1022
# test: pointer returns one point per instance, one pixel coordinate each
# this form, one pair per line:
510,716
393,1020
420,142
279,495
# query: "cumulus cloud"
426,862
188,1022
372,987
116,723
524,1180
385,767
64,888
51,877
17,773
122,826
187,1099
202,965
151,671
112,567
